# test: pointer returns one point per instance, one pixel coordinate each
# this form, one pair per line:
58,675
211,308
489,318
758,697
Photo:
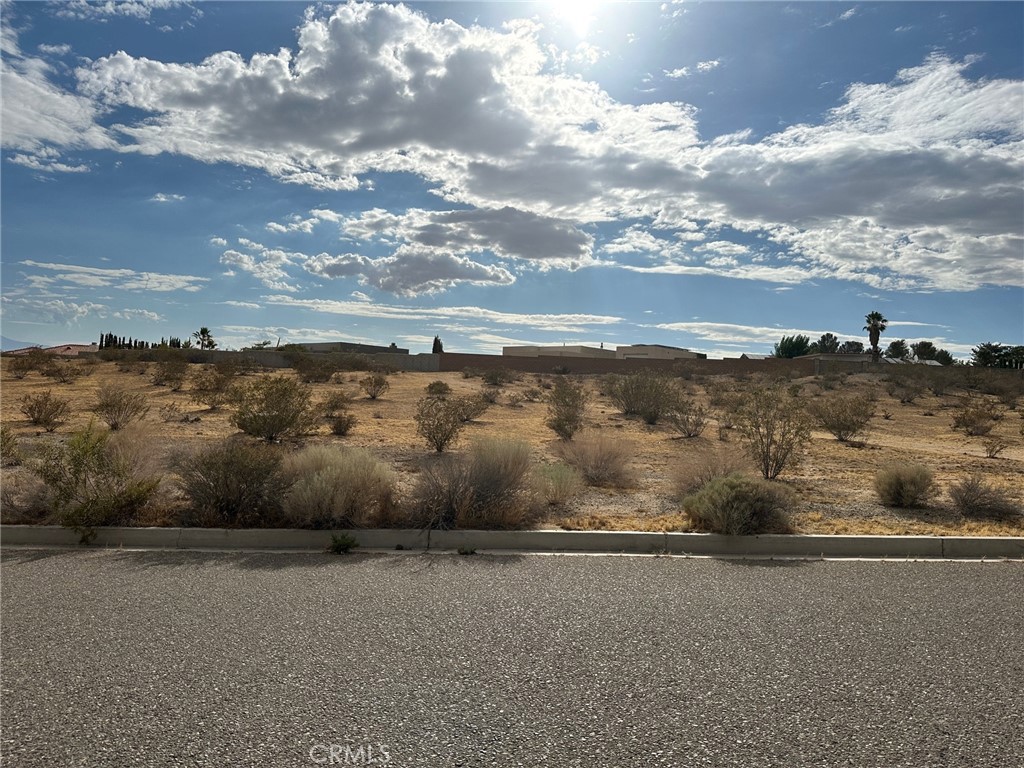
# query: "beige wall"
651,352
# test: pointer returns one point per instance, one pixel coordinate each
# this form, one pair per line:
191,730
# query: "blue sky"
712,176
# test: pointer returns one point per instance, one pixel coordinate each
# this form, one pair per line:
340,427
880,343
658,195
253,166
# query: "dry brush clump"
601,460
233,484
688,418
375,385
336,487
774,427
645,393
119,407
567,406
274,407
909,485
10,452
439,421
489,488
739,505
97,478
557,484
845,416
975,497
45,410
975,416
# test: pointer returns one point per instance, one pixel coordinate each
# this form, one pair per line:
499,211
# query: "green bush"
233,484
904,486
567,405
315,370
603,461
974,497
46,411
845,416
646,394
738,505
93,479
440,421
499,376
119,407
333,487
557,484
490,394
375,385
342,543
774,427
488,489
64,371
274,407
336,403
470,407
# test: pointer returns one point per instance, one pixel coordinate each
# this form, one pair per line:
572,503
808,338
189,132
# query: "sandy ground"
833,481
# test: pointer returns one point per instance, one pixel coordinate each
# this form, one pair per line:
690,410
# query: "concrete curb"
707,544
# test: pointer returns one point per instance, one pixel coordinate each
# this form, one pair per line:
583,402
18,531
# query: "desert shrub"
94,479
64,371
646,394
233,484
994,446
688,418
774,427
975,497
375,385
24,499
471,373
567,405
697,472
490,489
845,416
438,389
10,454
557,484
18,366
975,416
739,505
342,424
212,386
46,411
439,421
314,370
119,407
274,407
603,461
171,369
334,487
514,400
904,486
470,407
490,394
336,403
39,359
499,376
906,385
170,412
533,395
132,365
1007,386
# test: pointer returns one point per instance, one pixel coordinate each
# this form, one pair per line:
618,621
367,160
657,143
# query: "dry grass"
830,474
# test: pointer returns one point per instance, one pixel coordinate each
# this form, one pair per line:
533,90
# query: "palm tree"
205,338
875,325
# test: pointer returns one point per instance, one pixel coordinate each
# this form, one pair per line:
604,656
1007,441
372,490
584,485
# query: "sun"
577,16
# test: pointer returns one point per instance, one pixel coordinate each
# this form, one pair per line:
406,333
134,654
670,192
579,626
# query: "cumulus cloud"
103,9
912,183
53,311
123,279
268,265
569,323
161,197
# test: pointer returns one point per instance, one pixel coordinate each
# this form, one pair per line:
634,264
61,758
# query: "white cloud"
242,304
571,323
65,312
161,197
676,74
102,9
265,264
732,333
219,242
707,66
55,50
124,279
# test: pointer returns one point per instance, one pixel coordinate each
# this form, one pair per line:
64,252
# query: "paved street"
210,659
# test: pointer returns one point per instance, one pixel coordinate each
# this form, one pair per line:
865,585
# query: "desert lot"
832,480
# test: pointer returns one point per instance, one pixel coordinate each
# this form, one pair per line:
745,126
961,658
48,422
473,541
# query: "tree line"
986,355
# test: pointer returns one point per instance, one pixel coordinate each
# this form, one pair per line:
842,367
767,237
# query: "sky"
705,175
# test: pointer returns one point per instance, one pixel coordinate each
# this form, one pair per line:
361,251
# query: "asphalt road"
209,659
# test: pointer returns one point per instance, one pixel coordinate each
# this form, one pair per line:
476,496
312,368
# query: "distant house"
566,350
350,348
749,356
65,350
656,352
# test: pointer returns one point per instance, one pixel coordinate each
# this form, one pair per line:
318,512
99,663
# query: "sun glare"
577,16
